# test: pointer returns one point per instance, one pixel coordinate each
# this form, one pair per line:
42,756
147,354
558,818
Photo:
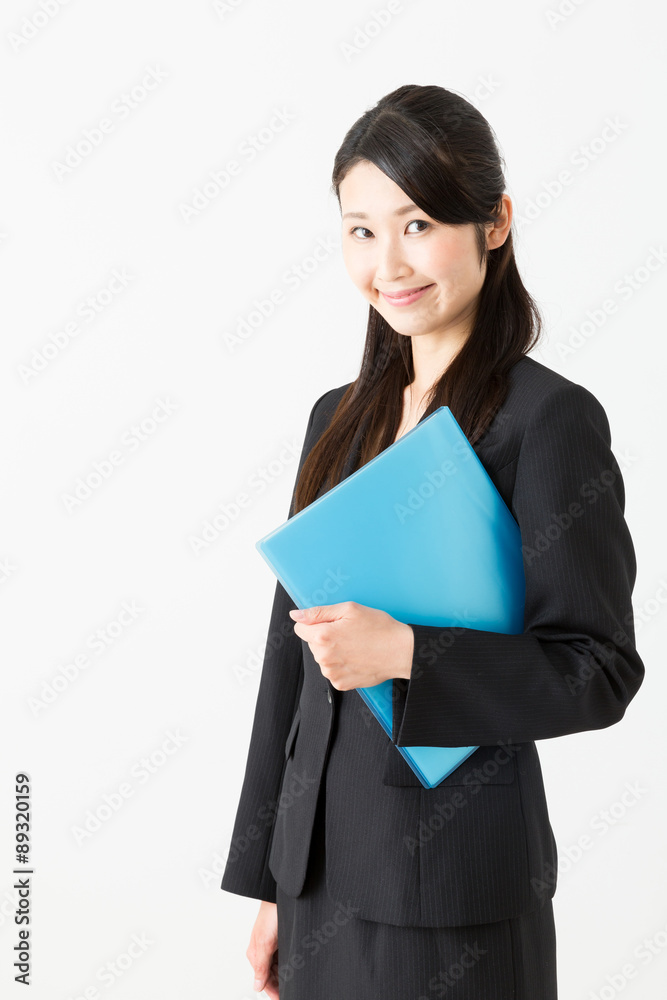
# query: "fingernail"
257,985
297,613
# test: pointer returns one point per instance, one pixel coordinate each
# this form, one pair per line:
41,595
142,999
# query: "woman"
371,885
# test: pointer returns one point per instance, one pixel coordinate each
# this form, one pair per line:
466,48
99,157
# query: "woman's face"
390,247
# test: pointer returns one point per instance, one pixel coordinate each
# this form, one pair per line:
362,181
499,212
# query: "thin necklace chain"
400,430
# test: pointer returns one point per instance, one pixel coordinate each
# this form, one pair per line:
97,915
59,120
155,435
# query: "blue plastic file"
420,532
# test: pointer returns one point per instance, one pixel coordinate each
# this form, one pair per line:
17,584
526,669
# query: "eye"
364,239
354,230
420,222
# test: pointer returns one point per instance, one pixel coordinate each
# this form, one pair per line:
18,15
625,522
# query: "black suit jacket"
479,847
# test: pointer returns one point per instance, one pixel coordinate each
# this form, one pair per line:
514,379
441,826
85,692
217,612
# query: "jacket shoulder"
325,407
537,395
531,384
533,390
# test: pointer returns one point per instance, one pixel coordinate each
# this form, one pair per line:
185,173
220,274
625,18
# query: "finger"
271,988
264,975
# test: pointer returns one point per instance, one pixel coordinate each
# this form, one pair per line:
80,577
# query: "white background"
186,663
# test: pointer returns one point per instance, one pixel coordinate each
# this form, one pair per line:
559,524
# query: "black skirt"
325,952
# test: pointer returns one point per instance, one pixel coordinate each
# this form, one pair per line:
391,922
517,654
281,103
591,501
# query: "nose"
390,265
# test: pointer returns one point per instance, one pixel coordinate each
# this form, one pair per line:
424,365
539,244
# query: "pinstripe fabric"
455,854
247,873
575,666
326,951
479,848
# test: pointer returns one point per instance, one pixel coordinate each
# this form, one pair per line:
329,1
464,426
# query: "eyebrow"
399,211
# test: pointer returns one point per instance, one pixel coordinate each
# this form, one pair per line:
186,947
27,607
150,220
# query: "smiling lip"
407,296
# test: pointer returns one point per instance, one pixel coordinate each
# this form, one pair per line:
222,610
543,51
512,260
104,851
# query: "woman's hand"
262,952
356,646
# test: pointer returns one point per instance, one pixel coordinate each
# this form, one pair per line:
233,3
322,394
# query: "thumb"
260,978
309,615
321,613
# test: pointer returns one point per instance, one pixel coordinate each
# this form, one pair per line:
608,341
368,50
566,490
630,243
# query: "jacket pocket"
488,765
291,736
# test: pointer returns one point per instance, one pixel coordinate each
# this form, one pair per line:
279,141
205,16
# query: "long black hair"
441,151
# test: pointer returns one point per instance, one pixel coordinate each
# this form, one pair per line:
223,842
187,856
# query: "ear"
498,231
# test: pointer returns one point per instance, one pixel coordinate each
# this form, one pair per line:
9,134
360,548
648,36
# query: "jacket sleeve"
247,872
575,666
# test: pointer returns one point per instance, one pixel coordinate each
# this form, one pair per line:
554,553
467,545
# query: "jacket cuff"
399,697
240,885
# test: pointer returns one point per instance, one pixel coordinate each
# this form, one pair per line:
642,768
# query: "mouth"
406,296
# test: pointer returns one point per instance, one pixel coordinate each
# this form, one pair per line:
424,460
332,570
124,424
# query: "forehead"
366,190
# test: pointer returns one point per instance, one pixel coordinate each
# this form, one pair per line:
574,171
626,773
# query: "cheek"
453,266
353,265
446,256
360,273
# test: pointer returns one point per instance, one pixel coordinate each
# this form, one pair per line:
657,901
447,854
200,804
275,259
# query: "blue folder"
420,532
